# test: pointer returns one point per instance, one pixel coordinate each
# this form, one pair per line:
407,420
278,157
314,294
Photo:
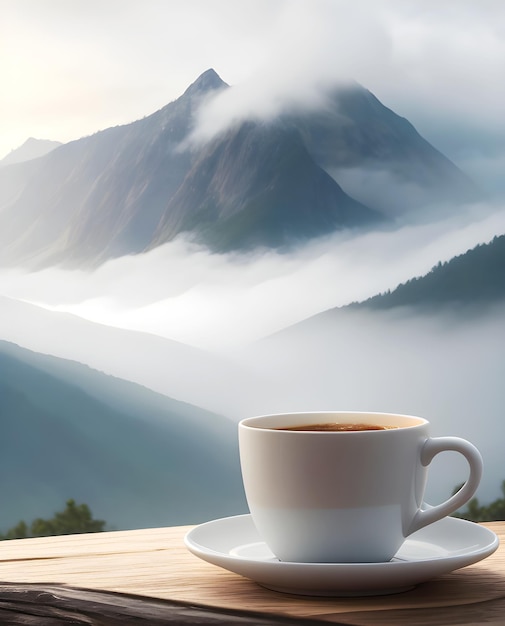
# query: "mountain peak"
31,149
208,81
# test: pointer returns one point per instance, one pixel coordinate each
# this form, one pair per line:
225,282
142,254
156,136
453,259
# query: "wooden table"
148,577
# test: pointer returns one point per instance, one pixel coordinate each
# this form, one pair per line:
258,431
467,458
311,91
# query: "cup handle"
431,448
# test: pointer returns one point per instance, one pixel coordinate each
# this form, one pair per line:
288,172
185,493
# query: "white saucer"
234,544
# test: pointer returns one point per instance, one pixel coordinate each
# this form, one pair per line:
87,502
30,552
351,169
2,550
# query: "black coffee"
336,427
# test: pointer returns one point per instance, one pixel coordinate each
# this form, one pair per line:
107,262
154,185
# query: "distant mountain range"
31,149
130,188
135,457
169,367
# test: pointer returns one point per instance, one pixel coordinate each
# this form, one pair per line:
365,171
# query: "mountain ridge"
163,365
472,278
130,454
129,188
381,137
466,285
32,148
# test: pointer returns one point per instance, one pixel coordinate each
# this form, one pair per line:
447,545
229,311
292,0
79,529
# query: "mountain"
31,149
257,186
137,458
378,156
472,280
101,196
130,188
468,284
169,367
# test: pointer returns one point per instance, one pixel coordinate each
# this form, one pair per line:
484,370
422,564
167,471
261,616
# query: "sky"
69,68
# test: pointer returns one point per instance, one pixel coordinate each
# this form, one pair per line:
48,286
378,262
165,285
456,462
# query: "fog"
386,192
414,56
446,368
184,293
189,324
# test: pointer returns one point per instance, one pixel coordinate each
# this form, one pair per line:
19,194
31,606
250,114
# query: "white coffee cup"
344,496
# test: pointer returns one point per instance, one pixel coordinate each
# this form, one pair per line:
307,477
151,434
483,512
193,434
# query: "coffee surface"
336,427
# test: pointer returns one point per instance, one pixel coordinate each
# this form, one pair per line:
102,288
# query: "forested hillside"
474,278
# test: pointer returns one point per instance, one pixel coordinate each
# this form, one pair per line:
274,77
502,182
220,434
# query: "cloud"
383,190
443,74
311,48
413,55
182,292
487,169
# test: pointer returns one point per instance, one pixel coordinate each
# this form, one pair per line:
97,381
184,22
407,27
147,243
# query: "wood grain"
48,605
154,563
